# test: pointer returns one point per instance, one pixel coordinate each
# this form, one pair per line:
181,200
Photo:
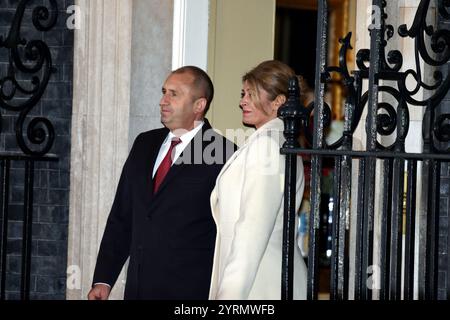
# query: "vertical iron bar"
316,161
27,230
410,230
367,241
289,227
290,113
346,187
427,181
448,247
344,215
398,205
359,231
5,167
334,276
345,193
432,252
423,229
376,37
395,271
386,230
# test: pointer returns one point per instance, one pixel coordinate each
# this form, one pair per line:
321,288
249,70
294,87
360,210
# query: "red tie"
165,165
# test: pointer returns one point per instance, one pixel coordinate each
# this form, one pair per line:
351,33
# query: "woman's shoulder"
274,127
270,132
266,145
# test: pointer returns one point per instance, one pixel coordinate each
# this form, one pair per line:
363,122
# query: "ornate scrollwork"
362,57
389,118
386,122
307,127
30,60
349,83
440,45
441,128
442,5
394,57
395,119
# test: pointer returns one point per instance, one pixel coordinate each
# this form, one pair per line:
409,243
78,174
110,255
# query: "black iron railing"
381,71
21,89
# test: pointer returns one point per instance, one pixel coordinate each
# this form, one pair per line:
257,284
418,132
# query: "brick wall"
51,192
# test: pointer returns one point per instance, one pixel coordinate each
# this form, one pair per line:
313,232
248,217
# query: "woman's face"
251,114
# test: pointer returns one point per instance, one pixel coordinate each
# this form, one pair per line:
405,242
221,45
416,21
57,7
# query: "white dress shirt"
185,140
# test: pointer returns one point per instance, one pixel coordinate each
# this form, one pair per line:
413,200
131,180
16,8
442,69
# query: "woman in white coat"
248,199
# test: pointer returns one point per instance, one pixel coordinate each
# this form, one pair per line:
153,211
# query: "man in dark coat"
161,216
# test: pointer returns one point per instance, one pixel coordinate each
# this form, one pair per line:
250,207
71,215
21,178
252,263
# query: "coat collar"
272,125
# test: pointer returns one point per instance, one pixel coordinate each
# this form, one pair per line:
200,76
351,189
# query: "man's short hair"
201,81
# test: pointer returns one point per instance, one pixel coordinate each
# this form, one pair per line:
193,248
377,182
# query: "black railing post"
29,161
5,170
291,114
316,161
376,37
410,231
432,233
27,230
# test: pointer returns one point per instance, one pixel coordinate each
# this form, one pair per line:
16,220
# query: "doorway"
295,45
295,40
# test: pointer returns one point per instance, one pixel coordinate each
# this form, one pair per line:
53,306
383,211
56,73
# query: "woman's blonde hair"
272,76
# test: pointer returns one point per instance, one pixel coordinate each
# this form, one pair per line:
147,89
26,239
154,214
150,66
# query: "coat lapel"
275,124
151,159
230,161
177,168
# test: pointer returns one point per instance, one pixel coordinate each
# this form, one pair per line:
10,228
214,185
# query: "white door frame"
190,33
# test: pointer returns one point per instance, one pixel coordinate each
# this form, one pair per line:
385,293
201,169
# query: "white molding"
179,33
101,104
190,33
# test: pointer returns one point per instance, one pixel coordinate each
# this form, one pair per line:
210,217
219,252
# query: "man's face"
179,106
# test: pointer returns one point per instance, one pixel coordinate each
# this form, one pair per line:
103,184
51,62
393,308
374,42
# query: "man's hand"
99,292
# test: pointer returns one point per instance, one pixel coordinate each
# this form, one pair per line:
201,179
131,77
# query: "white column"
100,127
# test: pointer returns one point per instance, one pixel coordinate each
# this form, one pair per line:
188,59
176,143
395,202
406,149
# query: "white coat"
248,206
